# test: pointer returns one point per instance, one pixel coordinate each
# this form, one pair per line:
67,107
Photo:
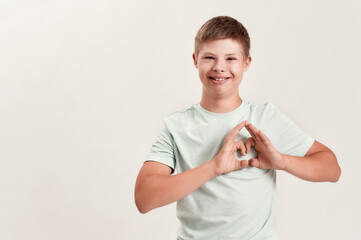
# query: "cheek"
202,70
202,74
237,70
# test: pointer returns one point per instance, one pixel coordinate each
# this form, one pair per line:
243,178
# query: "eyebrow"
224,55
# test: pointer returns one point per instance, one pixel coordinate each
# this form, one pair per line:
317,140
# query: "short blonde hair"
222,27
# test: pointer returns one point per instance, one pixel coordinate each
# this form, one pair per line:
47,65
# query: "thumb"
242,164
254,162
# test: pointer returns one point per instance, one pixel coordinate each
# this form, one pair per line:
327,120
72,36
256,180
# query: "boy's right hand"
225,161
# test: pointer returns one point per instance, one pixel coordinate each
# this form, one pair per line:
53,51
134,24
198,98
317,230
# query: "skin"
156,187
212,59
319,163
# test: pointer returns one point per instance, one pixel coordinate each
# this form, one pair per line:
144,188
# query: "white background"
84,86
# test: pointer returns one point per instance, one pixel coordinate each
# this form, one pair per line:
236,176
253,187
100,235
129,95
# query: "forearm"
318,167
158,190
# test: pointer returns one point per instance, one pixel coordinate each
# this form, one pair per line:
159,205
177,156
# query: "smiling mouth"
219,79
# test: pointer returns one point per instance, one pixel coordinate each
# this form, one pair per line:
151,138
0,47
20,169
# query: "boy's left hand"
268,156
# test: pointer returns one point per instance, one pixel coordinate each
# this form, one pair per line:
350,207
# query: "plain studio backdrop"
85,85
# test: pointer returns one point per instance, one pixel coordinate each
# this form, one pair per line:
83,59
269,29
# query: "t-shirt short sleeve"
289,138
162,149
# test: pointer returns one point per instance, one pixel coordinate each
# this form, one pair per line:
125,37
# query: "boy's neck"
222,105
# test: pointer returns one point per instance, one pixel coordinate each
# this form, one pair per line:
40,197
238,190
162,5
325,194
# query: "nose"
218,66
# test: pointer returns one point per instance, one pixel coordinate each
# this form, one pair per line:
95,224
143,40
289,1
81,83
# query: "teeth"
219,79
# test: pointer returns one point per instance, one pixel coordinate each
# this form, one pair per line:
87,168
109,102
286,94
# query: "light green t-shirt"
236,205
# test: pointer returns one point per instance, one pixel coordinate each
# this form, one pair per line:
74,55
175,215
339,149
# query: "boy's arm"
318,165
155,187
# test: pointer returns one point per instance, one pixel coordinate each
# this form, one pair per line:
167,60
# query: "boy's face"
221,59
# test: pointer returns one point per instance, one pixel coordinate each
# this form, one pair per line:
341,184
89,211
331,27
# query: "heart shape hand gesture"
268,156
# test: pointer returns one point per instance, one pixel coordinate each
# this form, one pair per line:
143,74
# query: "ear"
247,63
195,61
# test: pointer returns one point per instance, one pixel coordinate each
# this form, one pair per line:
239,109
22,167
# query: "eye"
208,57
231,58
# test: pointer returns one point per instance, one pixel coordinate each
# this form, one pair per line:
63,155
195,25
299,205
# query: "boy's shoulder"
181,113
247,105
267,106
266,110
256,105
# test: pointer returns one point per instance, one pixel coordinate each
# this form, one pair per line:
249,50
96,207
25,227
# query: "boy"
226,149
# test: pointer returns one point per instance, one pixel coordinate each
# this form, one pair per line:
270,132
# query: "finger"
254,130
250,130
244,163
232,134
264,138
254,162
250,143
241,147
